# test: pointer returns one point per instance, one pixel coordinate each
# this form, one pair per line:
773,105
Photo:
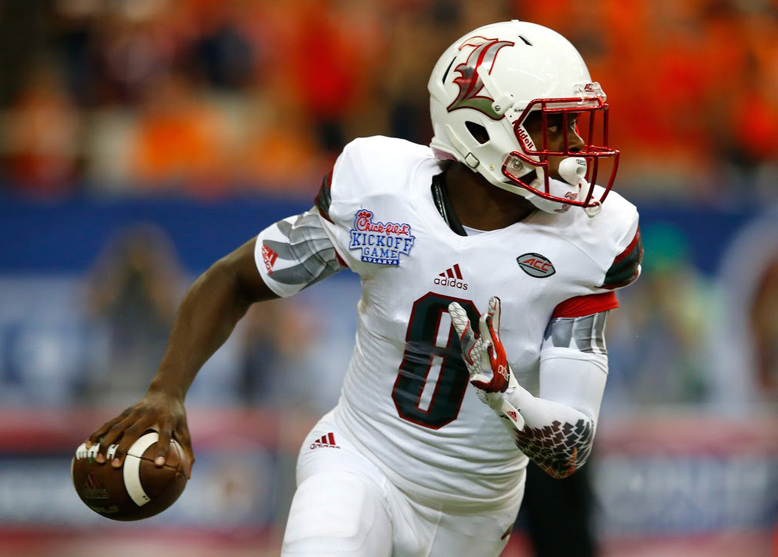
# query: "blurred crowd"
210,98
213,98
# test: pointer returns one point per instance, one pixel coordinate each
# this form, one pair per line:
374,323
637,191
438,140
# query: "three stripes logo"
451,277
326,442
93,489
269,257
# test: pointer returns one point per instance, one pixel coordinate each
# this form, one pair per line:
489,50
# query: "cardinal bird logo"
93,489
484,54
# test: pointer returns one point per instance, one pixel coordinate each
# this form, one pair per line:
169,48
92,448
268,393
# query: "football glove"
486,361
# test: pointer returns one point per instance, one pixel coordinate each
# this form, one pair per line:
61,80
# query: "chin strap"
594,210
444,206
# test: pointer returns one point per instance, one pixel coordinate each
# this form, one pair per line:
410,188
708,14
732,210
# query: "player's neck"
478,204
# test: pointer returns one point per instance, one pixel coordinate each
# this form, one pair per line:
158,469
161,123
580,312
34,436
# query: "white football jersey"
406,398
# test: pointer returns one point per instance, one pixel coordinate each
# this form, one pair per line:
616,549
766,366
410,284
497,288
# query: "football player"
488,264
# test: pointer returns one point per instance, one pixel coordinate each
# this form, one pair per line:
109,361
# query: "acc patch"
378,242
536,265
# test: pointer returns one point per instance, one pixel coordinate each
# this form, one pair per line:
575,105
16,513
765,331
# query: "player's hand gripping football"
158,410
486,361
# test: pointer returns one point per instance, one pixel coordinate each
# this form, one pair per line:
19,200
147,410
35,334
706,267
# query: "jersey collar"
444,206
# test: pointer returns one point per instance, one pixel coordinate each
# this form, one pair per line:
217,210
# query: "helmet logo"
566,206
484,53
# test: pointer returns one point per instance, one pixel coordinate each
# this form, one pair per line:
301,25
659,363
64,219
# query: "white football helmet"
487,83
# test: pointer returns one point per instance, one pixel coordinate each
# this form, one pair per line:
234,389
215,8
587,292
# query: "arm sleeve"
295,253
560,423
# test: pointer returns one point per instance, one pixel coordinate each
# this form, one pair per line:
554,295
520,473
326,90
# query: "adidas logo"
269,257
326,442
451,277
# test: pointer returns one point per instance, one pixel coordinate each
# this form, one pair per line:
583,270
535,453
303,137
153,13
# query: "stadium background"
142,139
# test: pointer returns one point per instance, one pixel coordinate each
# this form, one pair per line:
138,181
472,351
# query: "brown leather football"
137,490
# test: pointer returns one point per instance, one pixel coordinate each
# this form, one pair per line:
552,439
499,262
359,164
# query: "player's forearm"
556,436
560,423
205,319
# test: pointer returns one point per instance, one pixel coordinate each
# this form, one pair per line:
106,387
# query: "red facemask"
594,150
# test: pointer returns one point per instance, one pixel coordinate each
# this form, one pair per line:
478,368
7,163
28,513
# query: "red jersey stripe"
581,306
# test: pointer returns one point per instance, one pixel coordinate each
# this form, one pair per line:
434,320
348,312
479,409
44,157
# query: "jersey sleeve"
581,306
617,248
346,192
295,253
626,265
302,250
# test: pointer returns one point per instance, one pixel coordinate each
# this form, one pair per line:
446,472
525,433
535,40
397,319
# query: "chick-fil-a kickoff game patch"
379,242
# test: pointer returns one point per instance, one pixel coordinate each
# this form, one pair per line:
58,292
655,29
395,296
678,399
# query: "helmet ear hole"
478,132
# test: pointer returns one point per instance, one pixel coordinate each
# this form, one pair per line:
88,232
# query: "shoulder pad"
368,166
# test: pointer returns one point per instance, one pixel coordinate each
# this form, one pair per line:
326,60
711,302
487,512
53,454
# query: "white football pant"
346,507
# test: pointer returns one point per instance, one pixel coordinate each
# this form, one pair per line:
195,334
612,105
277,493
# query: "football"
138,489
